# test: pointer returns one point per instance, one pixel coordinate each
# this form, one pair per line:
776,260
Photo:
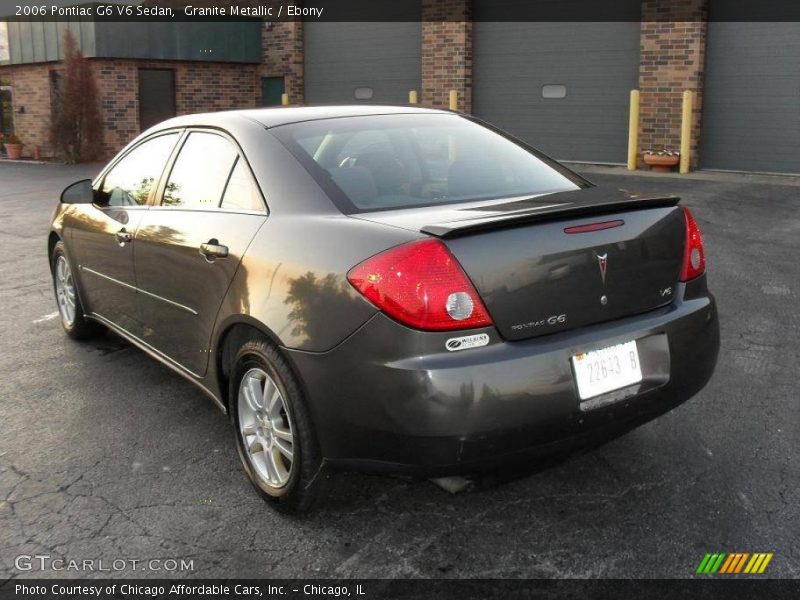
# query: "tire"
290,486
70,309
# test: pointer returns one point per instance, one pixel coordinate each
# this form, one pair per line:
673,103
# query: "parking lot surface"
106,454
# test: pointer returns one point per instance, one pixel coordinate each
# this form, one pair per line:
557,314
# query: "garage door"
562,87
364,62
751,101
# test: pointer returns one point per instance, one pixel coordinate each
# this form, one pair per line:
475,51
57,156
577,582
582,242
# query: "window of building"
363,93
6,112
554,91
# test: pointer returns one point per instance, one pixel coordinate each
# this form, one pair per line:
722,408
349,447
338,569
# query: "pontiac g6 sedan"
386,288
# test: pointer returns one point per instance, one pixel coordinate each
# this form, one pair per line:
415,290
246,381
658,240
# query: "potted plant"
661,161
13,146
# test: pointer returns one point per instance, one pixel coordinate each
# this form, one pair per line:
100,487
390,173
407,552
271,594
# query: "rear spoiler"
563,205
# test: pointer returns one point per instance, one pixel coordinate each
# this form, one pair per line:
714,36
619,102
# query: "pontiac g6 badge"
602,261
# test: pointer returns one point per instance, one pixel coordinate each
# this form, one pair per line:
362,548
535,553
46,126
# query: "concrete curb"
25,161
720,176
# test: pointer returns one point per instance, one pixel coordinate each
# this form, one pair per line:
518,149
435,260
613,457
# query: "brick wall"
673,42
446,53
118,88
199,87
30,85
282,44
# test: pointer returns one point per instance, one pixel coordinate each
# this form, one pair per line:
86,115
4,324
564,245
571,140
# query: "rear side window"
241,192
381,162
200,172
131,180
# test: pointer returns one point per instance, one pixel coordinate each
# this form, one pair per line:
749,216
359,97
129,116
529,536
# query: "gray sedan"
387,288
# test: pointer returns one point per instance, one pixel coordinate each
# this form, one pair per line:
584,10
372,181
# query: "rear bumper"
392,399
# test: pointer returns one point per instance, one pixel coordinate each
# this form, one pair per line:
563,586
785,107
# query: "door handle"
212,250
123,237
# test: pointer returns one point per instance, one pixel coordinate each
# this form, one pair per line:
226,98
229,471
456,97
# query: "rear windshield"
397,161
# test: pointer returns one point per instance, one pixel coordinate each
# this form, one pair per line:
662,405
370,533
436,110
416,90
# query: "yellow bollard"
633,132
412,97
453,100
285,99
686,131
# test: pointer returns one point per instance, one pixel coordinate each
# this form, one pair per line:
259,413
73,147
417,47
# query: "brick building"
562,86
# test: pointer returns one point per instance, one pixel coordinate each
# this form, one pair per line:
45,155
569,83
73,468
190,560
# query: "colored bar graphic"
717,564
711,563
703,564
741,562
730,564
749,566
734,563
757,564
732,558
764,564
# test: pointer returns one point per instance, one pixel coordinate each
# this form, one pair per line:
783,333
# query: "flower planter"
661,163
14,151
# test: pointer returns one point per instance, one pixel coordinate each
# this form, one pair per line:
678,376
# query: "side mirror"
80,192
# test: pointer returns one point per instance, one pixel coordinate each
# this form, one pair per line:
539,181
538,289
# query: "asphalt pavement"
107,455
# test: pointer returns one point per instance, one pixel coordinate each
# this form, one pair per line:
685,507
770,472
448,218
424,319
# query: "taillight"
420,284
694,255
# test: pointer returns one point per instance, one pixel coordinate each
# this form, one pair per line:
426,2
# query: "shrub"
76,128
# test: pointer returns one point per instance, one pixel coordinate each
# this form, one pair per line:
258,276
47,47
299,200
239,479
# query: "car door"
190,243
101,234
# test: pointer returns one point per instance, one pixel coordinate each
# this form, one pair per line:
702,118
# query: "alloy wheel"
65,291
265,428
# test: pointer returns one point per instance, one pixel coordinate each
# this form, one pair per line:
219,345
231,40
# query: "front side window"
382,162
131,180
200,172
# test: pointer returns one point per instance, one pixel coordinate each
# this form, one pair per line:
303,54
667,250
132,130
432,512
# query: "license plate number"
607,369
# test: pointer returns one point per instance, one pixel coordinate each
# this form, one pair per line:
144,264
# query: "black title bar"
416,589
332,11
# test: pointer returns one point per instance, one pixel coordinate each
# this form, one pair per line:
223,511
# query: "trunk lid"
564,260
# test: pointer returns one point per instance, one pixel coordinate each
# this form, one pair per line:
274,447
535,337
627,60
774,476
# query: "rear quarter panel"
293,278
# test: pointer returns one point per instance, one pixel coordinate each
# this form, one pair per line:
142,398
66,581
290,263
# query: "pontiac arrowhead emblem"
602,261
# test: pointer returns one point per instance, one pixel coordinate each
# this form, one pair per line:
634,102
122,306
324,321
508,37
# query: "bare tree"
77,127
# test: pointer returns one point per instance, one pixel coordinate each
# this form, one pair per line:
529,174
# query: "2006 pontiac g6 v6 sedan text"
386,288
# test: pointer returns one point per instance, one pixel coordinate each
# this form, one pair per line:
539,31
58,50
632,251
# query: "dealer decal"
467,341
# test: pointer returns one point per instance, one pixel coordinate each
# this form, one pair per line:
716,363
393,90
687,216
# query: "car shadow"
348,492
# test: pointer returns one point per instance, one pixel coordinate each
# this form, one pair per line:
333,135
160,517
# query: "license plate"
607,369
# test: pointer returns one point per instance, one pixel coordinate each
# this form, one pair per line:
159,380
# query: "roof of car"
274,117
